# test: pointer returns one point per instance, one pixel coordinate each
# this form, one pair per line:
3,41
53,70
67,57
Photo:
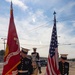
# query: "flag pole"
11,4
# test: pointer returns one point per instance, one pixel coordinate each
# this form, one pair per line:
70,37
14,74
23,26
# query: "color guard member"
64,65
25,67
35,59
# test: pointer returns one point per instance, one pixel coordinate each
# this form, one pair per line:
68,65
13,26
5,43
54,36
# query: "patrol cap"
25,50
64,56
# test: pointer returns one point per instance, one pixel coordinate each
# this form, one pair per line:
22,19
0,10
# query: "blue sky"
34,22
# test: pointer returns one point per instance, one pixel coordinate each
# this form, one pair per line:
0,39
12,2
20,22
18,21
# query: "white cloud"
66,9
3,30
29,26
3,25
19,3
33,33
35,29
74,24
64,33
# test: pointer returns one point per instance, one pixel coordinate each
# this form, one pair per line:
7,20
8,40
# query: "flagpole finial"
54,13
54,16
11,4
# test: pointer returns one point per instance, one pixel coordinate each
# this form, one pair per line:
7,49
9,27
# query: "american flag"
52,63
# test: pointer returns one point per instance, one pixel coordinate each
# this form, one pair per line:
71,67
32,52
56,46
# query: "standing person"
35,59
25,66
64,65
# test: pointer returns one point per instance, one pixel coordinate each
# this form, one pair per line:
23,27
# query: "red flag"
52,64
12,53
